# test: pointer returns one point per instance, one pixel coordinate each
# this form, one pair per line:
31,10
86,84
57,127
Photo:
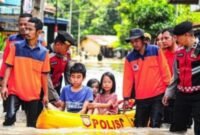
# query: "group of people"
83,99
164,78
31,77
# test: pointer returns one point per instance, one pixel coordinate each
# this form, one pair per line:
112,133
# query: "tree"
117,17
184,13
94,17
150,15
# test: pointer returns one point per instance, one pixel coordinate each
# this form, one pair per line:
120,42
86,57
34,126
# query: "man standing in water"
186,82
23,19
25,75
147,73
169,48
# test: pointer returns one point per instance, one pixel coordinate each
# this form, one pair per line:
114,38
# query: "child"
94,84
75,97
106,101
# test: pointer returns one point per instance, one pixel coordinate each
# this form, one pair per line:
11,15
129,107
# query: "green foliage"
117,17
184,13
150,15
100,18
94,17
2,41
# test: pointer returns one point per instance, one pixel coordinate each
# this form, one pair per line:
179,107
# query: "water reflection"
80,131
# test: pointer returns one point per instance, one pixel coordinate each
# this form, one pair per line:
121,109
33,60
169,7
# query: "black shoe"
8,122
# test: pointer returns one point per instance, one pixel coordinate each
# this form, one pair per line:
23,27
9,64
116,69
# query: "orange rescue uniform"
27,67
148,74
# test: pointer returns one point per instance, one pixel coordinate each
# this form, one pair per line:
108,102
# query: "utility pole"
21,7
38,10
56,23
79,35
70,13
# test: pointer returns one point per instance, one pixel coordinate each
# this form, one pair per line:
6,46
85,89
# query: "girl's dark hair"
92,81
78,68
158,33
112,77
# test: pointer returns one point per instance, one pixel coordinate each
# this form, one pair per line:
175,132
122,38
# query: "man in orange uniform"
147,72
25,75
22,21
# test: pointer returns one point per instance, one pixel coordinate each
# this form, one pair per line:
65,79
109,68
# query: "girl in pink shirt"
106,101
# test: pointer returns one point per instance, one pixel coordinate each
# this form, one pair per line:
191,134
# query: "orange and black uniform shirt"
28,65
11,39
148,74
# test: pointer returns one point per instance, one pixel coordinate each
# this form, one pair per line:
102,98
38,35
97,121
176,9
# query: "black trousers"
168,112
4,105
58,88
186,105
13,104
149,109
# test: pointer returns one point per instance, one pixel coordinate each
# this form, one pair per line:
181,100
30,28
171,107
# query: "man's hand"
125,104
165,100
45,100
91,105
1,82
58,103
4,93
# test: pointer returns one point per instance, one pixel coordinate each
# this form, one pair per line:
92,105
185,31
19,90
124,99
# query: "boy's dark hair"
92,81
78,68
25,15
170,30
38,23
112,77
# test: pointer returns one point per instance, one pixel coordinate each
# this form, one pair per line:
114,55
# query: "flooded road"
94,70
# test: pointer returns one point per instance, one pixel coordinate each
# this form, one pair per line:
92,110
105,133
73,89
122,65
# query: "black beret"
65,38
182,28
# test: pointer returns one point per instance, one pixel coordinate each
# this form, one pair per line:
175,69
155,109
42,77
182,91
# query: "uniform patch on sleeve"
180,55
135,67
54,63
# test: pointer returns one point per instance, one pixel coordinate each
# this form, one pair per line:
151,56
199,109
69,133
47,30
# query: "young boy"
75,97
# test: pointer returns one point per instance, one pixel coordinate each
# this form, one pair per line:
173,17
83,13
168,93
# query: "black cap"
65,38
182,28
135,33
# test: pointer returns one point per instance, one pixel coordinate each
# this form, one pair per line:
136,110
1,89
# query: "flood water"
94,70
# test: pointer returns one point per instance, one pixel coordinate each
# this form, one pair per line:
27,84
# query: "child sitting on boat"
75,97
95,85
106,101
